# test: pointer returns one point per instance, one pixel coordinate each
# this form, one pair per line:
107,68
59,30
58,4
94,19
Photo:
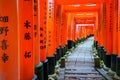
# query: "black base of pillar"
51,65
58,53
78,41
66,48
39,71
96,44
104,55
70,44
55,58
74,43
100,52
64,51
45,65
82,39
108,60
118,66
113,62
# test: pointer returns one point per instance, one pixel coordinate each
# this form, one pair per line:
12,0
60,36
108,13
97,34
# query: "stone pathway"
80,64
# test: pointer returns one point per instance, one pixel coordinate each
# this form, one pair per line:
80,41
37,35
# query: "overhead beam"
73,11
82,8
68,2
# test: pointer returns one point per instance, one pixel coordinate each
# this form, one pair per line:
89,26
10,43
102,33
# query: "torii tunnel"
37,35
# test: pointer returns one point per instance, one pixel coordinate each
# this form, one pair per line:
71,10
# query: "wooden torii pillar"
109,34
41,69
57,26
50,37
69,30
16,28
115,34
64,32
118,58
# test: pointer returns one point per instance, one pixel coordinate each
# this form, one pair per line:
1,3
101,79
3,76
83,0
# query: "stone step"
80,72
83,76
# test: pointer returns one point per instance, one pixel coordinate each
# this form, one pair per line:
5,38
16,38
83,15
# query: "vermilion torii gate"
37,33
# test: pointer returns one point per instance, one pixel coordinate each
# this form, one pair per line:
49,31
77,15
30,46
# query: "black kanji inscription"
41,29
4,44
41,41
44,46
27,36
6,30
5,57
44,22
35,27
1,30
35,1
41,35
27,24
35,8
35,34
27,54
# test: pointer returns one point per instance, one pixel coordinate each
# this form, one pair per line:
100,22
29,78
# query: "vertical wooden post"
9,41
41,68
69,28
118,58
58,24
104,25
115,34
64,32
43,35
25,10
43,23
50,36
99,30
73,31
36,37
109,33
17,40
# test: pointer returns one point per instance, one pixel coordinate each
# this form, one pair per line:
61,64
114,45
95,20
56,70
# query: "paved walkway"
80,64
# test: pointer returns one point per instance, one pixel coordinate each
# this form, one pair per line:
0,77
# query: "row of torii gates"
34,32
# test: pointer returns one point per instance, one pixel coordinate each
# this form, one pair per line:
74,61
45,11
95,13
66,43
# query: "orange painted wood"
17,36
50,28
100,17
36,37
69,26
65,2
82,8
119,28
115,27
74,36
26,26
64,29
109,26
102,22
42,23
104,26
73,28
9,41
80,32
57,24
